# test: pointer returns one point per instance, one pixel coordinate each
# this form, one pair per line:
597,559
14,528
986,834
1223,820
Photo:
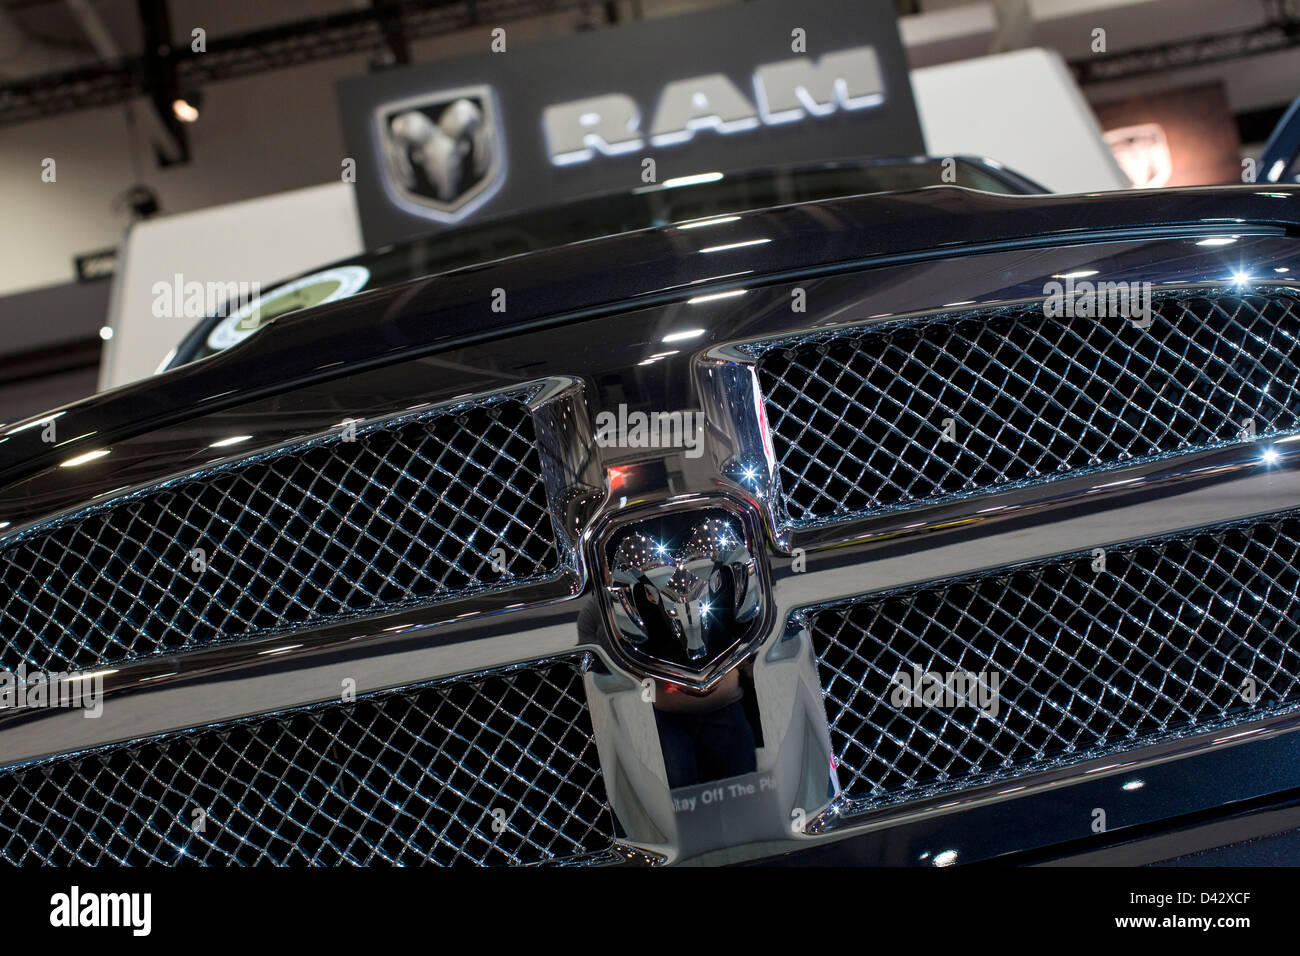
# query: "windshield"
696,197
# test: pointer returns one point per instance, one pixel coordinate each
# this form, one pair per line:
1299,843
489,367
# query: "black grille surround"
494,770
1160,644
407,513
858,417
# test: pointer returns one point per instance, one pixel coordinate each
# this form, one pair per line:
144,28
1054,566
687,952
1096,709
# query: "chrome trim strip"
239,680
1036,522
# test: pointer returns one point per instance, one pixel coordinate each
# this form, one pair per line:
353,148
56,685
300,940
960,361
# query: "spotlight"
186,106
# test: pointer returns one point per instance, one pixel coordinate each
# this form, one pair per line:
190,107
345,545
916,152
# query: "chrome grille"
858,420
407,512
1160,643
404,778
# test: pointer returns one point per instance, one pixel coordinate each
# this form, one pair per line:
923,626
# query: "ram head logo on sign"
443,151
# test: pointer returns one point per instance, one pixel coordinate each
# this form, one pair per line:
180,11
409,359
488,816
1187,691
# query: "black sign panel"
94,266
765,83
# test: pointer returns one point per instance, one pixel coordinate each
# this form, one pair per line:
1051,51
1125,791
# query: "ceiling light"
186,108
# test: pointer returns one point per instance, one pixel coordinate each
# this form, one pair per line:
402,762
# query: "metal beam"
171,141
1268,38
390,23
285,45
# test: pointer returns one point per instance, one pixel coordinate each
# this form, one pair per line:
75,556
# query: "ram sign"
770,82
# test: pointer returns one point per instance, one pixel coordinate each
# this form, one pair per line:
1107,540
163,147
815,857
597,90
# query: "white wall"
1022,109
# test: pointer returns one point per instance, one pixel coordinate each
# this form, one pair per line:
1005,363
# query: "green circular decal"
305,293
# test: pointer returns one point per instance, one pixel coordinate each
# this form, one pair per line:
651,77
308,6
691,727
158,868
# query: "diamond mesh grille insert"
407,512
858,420
406,777
1160,643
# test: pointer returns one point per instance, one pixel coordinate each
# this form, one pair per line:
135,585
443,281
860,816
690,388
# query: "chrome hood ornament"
686,590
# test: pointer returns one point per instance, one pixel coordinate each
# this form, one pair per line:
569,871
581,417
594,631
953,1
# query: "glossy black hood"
633,270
